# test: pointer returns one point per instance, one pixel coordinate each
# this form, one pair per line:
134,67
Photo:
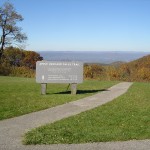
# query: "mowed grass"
20,96
125,118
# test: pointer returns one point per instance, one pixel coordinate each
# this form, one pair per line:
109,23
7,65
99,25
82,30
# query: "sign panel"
59,72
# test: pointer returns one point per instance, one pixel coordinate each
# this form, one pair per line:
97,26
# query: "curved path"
12,130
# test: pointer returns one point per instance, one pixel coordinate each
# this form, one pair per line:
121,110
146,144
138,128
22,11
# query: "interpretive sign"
59,72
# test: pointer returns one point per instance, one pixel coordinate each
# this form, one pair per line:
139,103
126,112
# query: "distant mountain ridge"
103,57
141,62
137,70
117,63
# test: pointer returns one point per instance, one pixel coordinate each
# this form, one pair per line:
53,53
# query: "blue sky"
93,25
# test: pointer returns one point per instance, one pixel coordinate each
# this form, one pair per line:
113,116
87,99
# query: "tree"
31,58
10,33
17,57
17,62
93,71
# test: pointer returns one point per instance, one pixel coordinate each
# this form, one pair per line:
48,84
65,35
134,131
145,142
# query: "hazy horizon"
92,51
105,57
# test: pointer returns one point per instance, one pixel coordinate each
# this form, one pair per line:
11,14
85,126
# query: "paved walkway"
12,130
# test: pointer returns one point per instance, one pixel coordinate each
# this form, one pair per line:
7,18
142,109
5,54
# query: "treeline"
138,70
16,62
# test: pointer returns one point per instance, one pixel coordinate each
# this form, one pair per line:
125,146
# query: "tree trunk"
2,44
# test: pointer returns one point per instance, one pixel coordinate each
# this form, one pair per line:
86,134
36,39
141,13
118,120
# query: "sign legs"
73,88
43,88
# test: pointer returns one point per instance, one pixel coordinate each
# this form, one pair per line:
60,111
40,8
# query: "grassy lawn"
125,118
20,96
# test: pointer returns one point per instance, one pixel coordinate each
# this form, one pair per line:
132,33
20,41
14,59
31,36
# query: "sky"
85,25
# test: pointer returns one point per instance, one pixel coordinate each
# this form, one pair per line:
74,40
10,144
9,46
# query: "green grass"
20,96
125,118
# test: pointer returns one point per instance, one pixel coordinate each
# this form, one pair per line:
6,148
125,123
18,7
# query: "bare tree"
10,33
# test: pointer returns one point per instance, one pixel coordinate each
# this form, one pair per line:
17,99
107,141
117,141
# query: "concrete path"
12,130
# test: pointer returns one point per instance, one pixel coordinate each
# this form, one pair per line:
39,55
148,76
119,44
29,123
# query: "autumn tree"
92,71
31,58
10,33
17,57
17,62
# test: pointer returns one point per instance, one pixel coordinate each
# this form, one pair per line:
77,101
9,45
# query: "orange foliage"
16,62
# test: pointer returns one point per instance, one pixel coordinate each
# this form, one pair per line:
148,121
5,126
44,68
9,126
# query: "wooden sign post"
43,88
73,88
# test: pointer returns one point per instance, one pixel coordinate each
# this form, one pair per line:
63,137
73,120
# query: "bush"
16,62
22,72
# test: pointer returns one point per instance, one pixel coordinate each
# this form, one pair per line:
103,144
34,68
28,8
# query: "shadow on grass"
82,91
